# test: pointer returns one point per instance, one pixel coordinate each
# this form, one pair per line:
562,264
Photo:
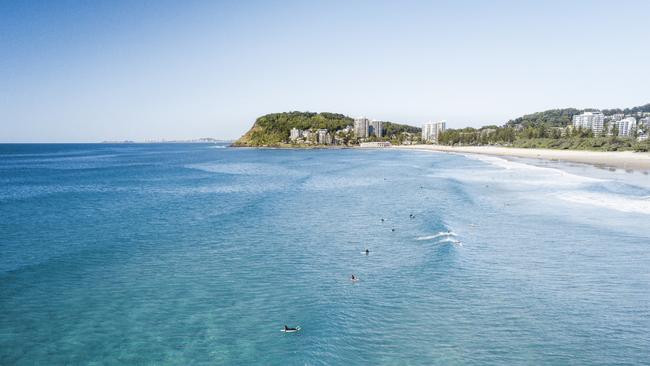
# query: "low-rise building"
295,134
308,136
376,144
617,116
347,129
645,122
323,137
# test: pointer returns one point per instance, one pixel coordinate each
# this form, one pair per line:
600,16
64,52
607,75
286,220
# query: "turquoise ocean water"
198,255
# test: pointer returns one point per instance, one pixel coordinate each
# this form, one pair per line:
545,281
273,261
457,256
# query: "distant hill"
552,117
273,129
644,108
563,117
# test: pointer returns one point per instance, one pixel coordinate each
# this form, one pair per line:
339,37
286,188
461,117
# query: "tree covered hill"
552,117
643,108
273,129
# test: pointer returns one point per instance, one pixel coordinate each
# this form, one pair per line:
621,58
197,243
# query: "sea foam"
438,235
640,205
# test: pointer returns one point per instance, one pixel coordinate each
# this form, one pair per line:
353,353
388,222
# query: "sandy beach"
624,159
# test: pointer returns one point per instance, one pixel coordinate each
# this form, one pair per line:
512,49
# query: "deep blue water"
198,255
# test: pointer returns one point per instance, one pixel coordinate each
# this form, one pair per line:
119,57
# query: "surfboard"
290,330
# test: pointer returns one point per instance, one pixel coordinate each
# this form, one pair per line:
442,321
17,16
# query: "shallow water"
187,254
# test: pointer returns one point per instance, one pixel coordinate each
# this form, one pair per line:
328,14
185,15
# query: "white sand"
624,159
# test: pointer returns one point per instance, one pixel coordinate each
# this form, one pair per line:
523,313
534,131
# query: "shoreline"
617,159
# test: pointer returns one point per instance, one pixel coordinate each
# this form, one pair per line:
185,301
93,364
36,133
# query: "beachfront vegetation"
541,137
550,129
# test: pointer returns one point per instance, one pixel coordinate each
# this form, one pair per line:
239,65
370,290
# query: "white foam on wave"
547,174
438,235
252,188
242,169
640,205
30,191
449,240
318,183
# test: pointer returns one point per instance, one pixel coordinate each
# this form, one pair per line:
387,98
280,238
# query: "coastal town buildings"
295,134
593,121
347,129
361,127
323,137
431,131
376,128
320,136
625,126
617,116
645,122
643,129
307,135
375,144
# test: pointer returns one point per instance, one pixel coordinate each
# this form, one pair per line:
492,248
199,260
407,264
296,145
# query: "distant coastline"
562,129
204,140
617,159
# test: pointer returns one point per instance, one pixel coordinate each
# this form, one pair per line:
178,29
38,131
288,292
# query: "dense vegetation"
541,137
564,117
589,143
548,130
551,118
273,129
642,108
396,129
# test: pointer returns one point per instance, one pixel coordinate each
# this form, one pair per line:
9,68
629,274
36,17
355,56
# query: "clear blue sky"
92,70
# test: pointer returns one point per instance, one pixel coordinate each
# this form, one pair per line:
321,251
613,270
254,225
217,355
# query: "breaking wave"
438,235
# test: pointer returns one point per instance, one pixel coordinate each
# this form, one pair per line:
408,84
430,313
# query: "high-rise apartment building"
361,127
431,131
593,121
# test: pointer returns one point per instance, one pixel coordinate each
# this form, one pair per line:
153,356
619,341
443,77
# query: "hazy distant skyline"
73,71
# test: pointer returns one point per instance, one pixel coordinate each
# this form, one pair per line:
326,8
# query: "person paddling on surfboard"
287,329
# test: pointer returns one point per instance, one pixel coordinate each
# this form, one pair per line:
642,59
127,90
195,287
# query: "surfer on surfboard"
289,329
